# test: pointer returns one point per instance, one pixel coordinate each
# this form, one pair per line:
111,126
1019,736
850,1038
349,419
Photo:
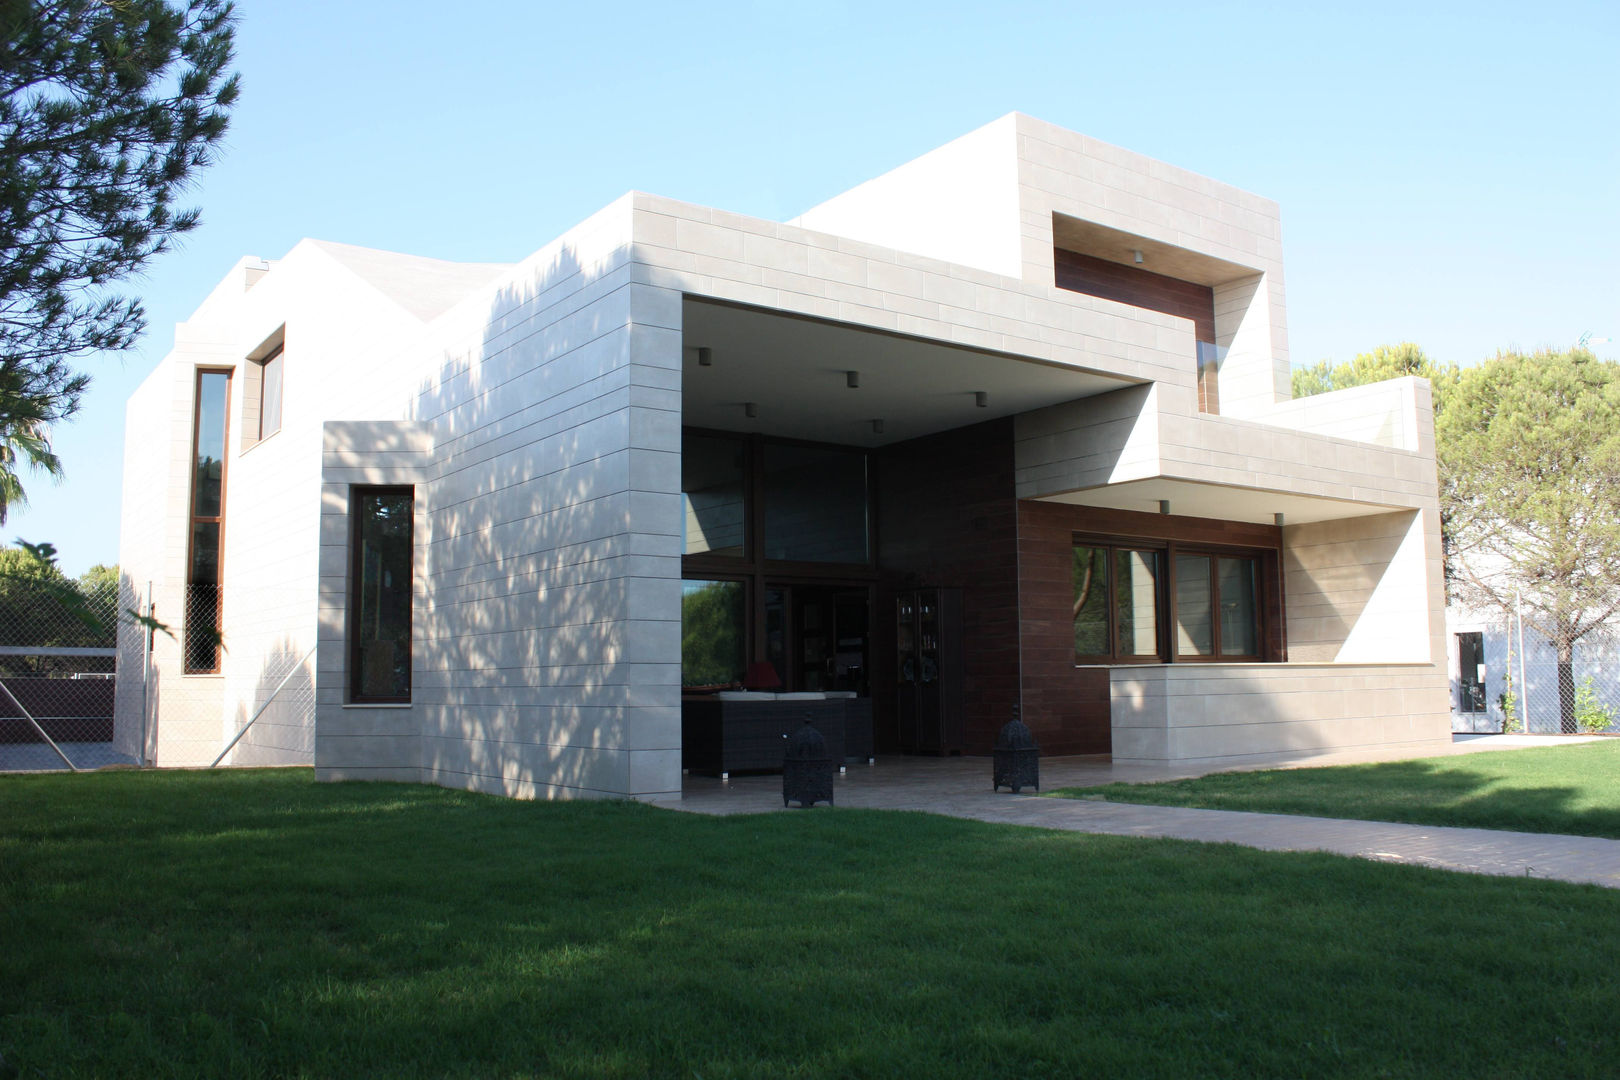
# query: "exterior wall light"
852,379
877,427
981,398
750,409
705,356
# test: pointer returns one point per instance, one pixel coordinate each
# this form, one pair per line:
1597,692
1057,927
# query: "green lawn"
1564,789
258,924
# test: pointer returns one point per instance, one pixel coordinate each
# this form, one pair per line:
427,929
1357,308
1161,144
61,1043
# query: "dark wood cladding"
1067,706
1154,292
1139,288
947,516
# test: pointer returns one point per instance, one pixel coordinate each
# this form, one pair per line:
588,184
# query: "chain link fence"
1506,677
58,666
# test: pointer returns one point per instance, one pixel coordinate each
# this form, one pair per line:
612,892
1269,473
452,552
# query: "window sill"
248,449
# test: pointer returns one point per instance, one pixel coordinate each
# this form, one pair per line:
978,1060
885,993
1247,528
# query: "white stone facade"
537,411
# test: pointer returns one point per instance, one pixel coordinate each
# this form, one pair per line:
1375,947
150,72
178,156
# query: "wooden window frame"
1214,554
193,519
356,493
1165,604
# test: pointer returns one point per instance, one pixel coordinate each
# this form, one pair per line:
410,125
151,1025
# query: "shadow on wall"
526,646
284,733
1331,570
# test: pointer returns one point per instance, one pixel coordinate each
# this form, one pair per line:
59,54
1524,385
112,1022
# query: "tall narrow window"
270,394
210,420
380,587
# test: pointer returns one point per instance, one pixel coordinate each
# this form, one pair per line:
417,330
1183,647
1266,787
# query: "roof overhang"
794,371
1193,498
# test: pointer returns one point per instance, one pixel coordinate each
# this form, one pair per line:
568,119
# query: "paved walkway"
960,787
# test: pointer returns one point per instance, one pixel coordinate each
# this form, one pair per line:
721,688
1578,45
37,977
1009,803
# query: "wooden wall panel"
1067,706
1139,288
947,516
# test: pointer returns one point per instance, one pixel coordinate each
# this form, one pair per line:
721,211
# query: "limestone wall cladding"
551,659
1243,714
958,203
1132,435
1068,173
986,201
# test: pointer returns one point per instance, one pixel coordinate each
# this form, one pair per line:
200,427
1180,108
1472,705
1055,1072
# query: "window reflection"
714,632
382,593
713,486
815,504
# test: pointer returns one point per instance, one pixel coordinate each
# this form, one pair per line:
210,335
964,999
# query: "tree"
1529,450
108,109
1384,362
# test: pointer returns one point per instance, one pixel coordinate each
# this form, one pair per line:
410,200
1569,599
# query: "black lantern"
807,769
1017,758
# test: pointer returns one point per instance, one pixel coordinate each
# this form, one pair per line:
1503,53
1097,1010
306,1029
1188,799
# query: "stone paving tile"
960,787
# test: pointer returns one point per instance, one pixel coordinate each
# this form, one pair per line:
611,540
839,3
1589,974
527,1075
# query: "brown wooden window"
1135,602
210,424
381,576
1117,602
1217,607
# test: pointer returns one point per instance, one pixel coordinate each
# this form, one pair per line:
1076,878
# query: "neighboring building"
1485,662
468,506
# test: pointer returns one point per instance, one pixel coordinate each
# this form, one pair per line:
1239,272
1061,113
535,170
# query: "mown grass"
258,924
1564,789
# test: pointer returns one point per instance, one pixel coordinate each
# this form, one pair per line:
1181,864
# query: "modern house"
1009,425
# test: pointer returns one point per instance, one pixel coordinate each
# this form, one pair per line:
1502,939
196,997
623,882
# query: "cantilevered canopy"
794,370
1192,498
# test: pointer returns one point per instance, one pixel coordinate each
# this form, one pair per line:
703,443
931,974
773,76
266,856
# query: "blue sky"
1448,174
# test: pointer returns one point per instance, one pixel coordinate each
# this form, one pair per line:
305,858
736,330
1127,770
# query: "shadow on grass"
256,923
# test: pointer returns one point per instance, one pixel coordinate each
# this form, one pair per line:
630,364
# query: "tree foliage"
1384,362
108,109
1529,449
43,607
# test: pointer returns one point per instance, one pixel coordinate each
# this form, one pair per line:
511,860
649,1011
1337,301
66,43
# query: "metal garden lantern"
1017,758
807,768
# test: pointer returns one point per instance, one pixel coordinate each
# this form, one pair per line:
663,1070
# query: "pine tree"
108,110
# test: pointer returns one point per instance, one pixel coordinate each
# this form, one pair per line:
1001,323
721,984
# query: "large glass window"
380,594
815,504
1136,603
714,632
202,618
1116,603
1091,601
714,483
1213,611
1217,606
1195,627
